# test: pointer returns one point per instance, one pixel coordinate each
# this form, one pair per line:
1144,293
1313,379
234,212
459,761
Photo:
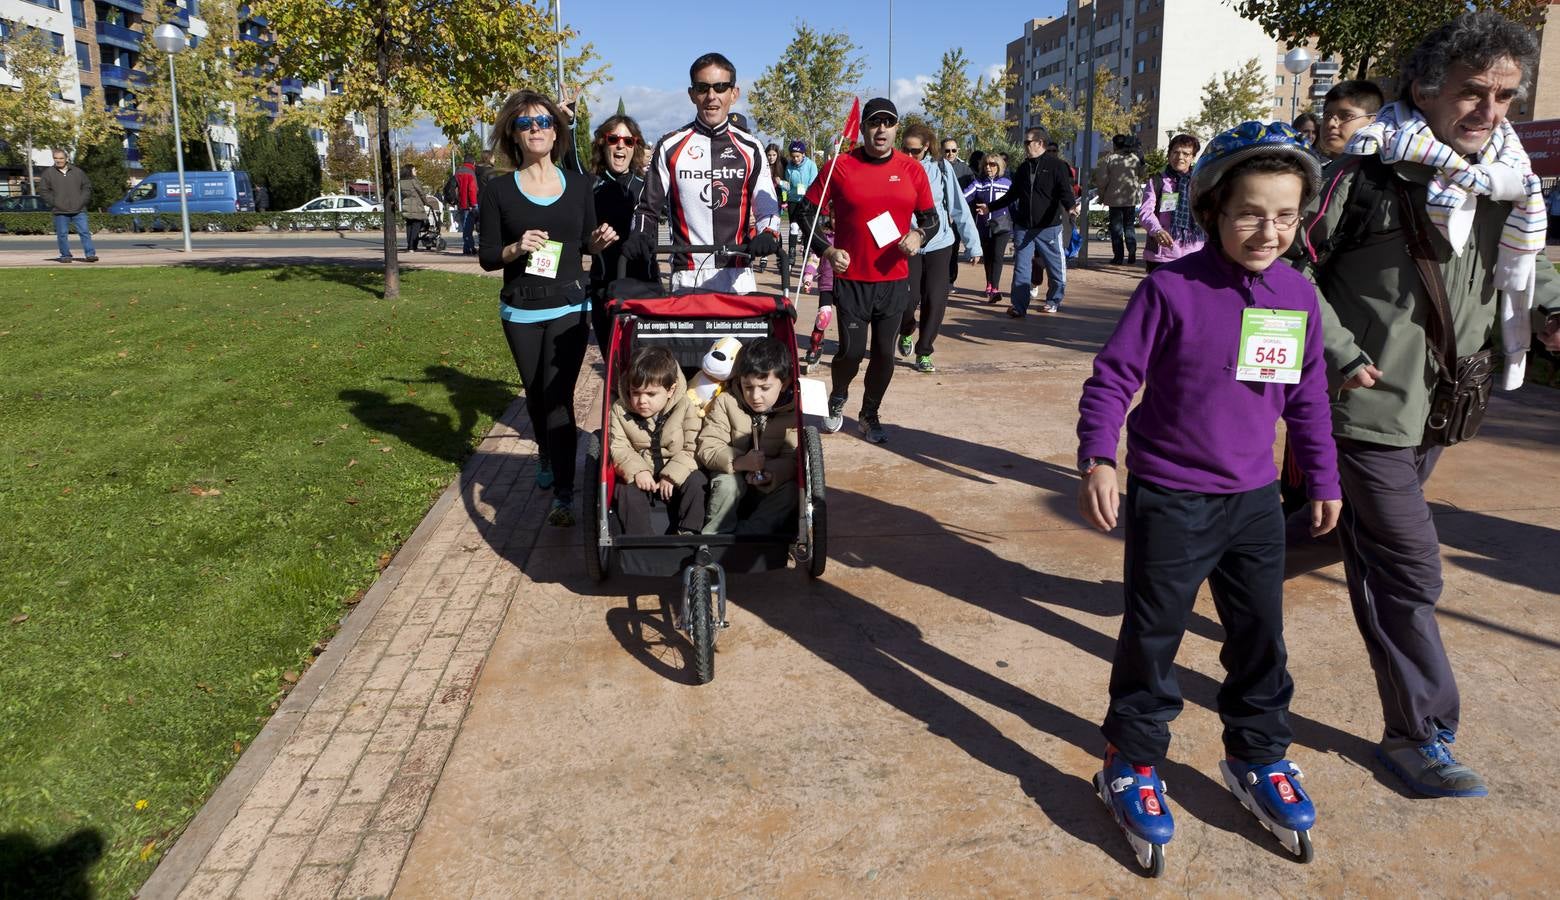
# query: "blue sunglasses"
524,123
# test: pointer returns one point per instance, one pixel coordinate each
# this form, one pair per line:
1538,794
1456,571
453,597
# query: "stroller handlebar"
718,250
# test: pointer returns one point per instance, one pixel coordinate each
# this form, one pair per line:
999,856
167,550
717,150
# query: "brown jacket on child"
631,437
728,434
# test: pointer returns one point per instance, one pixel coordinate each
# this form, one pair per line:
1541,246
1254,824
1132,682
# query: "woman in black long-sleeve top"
618,156
537,223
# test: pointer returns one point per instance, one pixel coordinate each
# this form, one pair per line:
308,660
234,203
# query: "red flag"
852,124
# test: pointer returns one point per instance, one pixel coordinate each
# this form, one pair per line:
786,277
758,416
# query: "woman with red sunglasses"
618,157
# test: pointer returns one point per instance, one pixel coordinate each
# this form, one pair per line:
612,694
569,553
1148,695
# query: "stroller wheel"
442,245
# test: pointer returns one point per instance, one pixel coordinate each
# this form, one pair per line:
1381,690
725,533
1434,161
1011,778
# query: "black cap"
877,106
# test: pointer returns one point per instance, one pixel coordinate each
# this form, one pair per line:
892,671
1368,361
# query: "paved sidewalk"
489,723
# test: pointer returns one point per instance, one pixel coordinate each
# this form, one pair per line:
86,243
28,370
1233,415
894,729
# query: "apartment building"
1160,51
106,35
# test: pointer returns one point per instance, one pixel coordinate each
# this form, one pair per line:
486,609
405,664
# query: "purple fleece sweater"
1198,429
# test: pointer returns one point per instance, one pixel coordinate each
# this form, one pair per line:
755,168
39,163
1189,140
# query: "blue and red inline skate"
1273,794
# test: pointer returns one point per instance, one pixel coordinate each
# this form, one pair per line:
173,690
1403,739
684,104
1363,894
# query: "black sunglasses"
704,87
524,123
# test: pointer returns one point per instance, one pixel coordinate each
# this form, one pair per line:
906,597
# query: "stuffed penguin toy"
716,368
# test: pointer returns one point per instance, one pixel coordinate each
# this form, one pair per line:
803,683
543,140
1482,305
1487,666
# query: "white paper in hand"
883,229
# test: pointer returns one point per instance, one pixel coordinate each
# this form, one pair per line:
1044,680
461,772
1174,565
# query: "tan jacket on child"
630,437
728,434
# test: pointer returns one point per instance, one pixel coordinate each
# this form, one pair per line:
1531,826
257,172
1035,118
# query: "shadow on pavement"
29,871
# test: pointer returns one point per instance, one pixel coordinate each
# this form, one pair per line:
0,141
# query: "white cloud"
908,92
657,111
994,71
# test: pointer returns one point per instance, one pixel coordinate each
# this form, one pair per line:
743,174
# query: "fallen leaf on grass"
32,465
237,748
384,559
350,463
381,450
122,354
342,426
148,850
66,491
352,501
318,441
117,654
200,491
290,677
373,440
17,620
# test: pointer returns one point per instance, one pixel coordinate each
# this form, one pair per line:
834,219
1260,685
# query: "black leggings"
929,286
859,307
548,356
992,248
414,229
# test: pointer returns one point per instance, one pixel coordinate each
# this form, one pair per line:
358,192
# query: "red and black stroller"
686,323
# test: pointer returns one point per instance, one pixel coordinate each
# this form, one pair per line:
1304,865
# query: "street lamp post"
1295,62
171,39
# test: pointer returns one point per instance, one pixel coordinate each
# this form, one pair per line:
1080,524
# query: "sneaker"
905,345
544,474
836,418
1014,313
923,363
871,428
63,259
560,514
1430,769
92,258
1051,308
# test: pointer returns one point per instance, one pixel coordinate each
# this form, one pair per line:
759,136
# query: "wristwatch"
1090,463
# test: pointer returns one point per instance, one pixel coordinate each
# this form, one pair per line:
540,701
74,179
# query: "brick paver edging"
351,755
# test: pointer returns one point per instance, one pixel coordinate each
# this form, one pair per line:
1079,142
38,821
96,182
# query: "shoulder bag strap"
1441,337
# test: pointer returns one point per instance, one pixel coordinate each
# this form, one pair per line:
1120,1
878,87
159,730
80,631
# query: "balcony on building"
269,106
292,85
178,15
132,158
1325,68
1321,86
131,6
122,77
128,116
118,36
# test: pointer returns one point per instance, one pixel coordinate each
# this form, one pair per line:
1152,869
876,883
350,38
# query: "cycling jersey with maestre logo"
713,185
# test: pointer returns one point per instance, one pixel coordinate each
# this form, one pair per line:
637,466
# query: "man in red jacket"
466,186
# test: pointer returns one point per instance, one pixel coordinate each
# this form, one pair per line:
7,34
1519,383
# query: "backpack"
451,192
1374,182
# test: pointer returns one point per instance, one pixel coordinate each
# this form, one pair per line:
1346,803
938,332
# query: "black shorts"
870,301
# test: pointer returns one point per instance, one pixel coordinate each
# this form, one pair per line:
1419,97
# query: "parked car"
327,212
24,203
157,196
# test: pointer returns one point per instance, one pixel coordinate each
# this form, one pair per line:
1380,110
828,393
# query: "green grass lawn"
199,469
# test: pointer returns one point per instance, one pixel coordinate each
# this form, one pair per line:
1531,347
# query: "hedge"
43,223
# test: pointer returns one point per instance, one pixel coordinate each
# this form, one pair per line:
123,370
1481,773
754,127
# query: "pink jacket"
1154,221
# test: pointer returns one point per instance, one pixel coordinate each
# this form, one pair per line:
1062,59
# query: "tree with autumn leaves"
971,114
1064,116
452,59
1370,35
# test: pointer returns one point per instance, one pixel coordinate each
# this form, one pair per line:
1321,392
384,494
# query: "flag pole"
823,193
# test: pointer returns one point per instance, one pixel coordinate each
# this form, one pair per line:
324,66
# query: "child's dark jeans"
1176,540
684,512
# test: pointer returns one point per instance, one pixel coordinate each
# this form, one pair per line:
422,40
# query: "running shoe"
560,513
836,418
1430,768
871,428
544,473
923,364
905,345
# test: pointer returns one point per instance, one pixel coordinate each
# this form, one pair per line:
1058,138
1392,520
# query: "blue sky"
649,49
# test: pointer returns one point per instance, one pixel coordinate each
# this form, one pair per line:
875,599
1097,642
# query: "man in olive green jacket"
1457,87
1119,179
